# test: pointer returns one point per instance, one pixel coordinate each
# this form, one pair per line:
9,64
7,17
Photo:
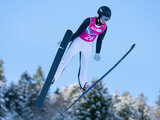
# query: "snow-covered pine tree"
24,84
15,101
5,114
18,98
38,78
157,108
34,87
141,107
31,87
62,116
64,98
58,101
123,106
158,101
96,105
70,93
3,109
2,77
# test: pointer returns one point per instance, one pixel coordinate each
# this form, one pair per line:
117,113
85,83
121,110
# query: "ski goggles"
105,18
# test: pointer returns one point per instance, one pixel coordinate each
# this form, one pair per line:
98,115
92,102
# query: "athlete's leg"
84,60
73,49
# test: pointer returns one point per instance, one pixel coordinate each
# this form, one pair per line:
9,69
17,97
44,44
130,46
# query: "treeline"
17,102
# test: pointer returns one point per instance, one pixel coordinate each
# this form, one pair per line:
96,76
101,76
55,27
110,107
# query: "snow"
93,106
97,104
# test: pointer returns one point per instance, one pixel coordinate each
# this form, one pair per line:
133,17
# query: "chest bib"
92,31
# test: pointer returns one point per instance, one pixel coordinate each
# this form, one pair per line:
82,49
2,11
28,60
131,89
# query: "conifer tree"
96,105
38,78
31,88
15,101
158,101
2,77
34,88
3,109
157,109
141,107
64,98
24,84
123,106
62,116
18,97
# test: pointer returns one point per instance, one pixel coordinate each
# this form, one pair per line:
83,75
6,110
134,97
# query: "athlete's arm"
82,27
99,41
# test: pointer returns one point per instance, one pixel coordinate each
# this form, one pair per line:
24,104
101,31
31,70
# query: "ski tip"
133,46
68,30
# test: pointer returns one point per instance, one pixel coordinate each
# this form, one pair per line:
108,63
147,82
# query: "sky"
30,30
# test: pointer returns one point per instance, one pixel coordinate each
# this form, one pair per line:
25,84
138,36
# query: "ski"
102,77
53,68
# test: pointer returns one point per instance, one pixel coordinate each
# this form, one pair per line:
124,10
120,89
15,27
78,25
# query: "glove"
97,57
59,42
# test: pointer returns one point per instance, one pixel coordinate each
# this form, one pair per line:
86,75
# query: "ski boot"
86,86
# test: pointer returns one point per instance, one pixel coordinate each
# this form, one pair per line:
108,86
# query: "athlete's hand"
97,57
59,42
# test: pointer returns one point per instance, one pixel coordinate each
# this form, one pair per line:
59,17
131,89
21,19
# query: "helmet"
105,11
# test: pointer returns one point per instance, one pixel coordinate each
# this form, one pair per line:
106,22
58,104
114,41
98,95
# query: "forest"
17,102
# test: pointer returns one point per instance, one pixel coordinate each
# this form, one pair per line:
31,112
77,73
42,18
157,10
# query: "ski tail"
102,77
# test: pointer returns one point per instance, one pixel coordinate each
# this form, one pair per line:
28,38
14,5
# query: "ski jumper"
82,43
92,31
